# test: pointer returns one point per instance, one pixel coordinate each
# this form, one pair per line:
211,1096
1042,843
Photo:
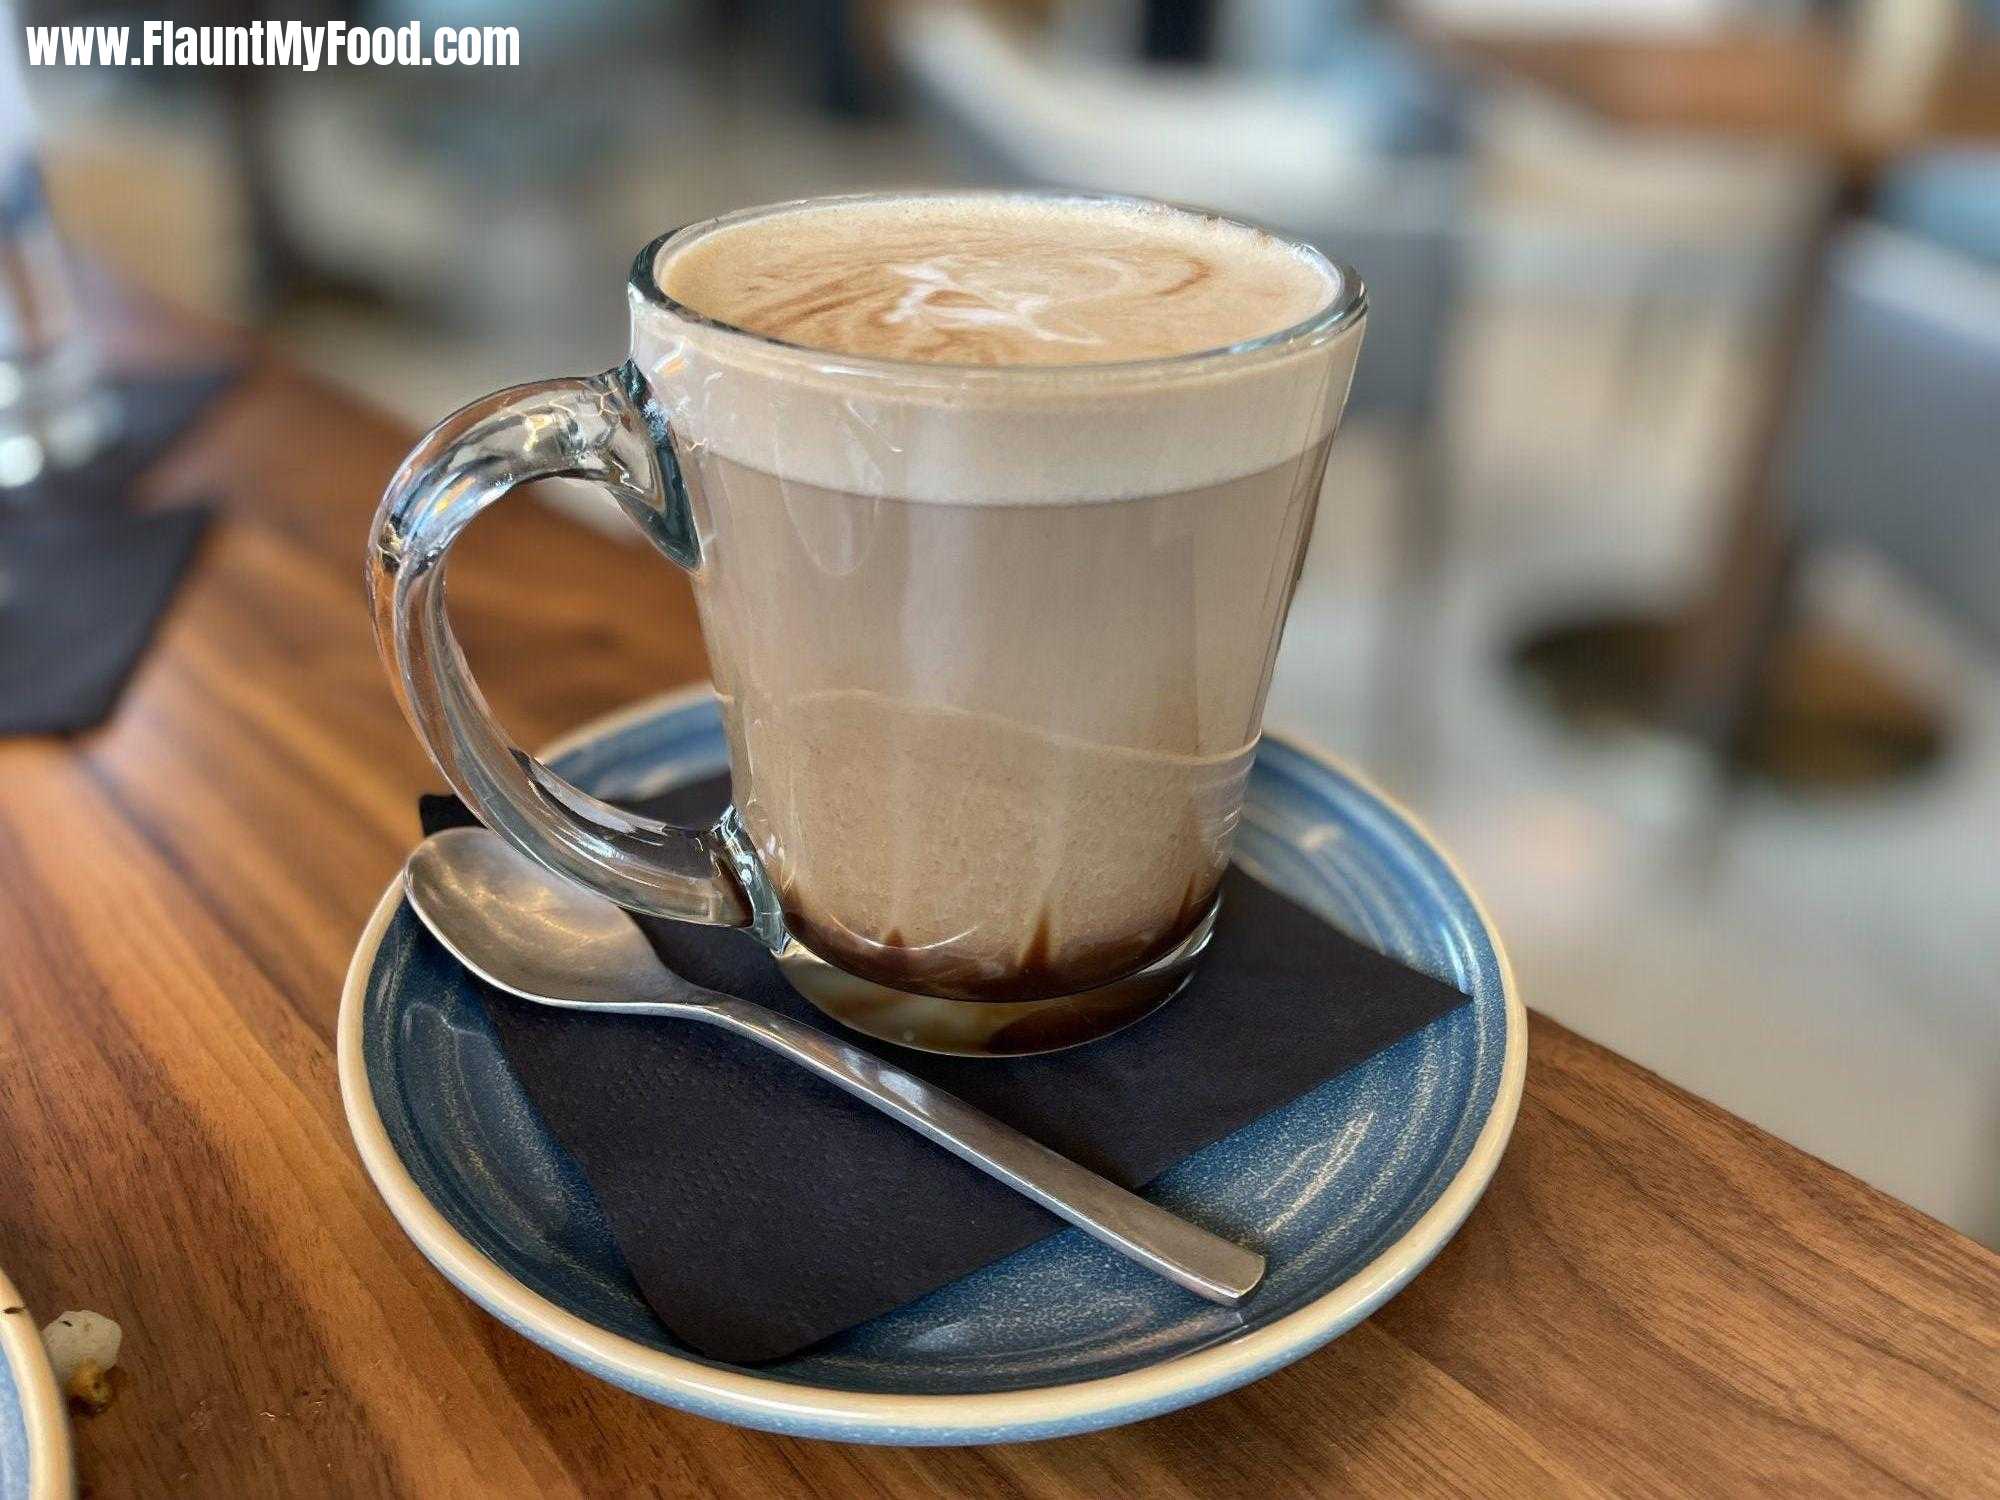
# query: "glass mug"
991,645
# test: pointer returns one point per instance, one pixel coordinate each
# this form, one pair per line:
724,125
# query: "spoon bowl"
526,931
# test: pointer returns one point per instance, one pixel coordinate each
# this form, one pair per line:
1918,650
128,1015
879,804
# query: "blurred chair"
1952,197
1674,243
1895,444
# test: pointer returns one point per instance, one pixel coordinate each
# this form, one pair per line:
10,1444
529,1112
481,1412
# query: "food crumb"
79,1337
90,1386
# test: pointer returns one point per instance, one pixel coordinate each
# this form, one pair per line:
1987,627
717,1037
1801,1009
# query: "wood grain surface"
1776,83
1653,1297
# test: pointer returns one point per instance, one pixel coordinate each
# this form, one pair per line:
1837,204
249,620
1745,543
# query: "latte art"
958,292
1000,315
989,280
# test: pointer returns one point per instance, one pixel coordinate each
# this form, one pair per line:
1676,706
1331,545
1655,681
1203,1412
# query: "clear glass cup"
991,645
55,410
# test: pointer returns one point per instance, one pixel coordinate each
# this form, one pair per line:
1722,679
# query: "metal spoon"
539,936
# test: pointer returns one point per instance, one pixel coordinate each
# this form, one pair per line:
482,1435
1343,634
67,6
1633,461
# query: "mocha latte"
980,280
995,551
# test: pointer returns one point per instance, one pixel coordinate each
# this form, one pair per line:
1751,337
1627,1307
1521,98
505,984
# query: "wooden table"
1652,1296
1779,83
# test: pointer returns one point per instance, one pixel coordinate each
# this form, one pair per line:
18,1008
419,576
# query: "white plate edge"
43,1412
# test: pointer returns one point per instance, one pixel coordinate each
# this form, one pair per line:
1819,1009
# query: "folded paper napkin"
83,580
761,1210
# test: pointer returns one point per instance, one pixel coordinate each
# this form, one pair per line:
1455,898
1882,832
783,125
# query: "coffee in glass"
993,506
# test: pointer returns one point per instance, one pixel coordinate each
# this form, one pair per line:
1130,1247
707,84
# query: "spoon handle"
1204,1263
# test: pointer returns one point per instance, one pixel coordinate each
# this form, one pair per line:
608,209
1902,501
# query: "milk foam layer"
992,280
1000,433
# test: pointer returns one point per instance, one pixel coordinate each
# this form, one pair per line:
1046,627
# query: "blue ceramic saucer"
1349,1190
34,1429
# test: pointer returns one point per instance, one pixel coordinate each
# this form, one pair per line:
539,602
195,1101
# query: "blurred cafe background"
1659,562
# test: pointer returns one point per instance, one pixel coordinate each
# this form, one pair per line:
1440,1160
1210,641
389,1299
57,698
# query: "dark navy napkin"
79,597
84,581
761,1210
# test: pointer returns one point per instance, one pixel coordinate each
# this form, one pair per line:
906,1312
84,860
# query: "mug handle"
608,429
